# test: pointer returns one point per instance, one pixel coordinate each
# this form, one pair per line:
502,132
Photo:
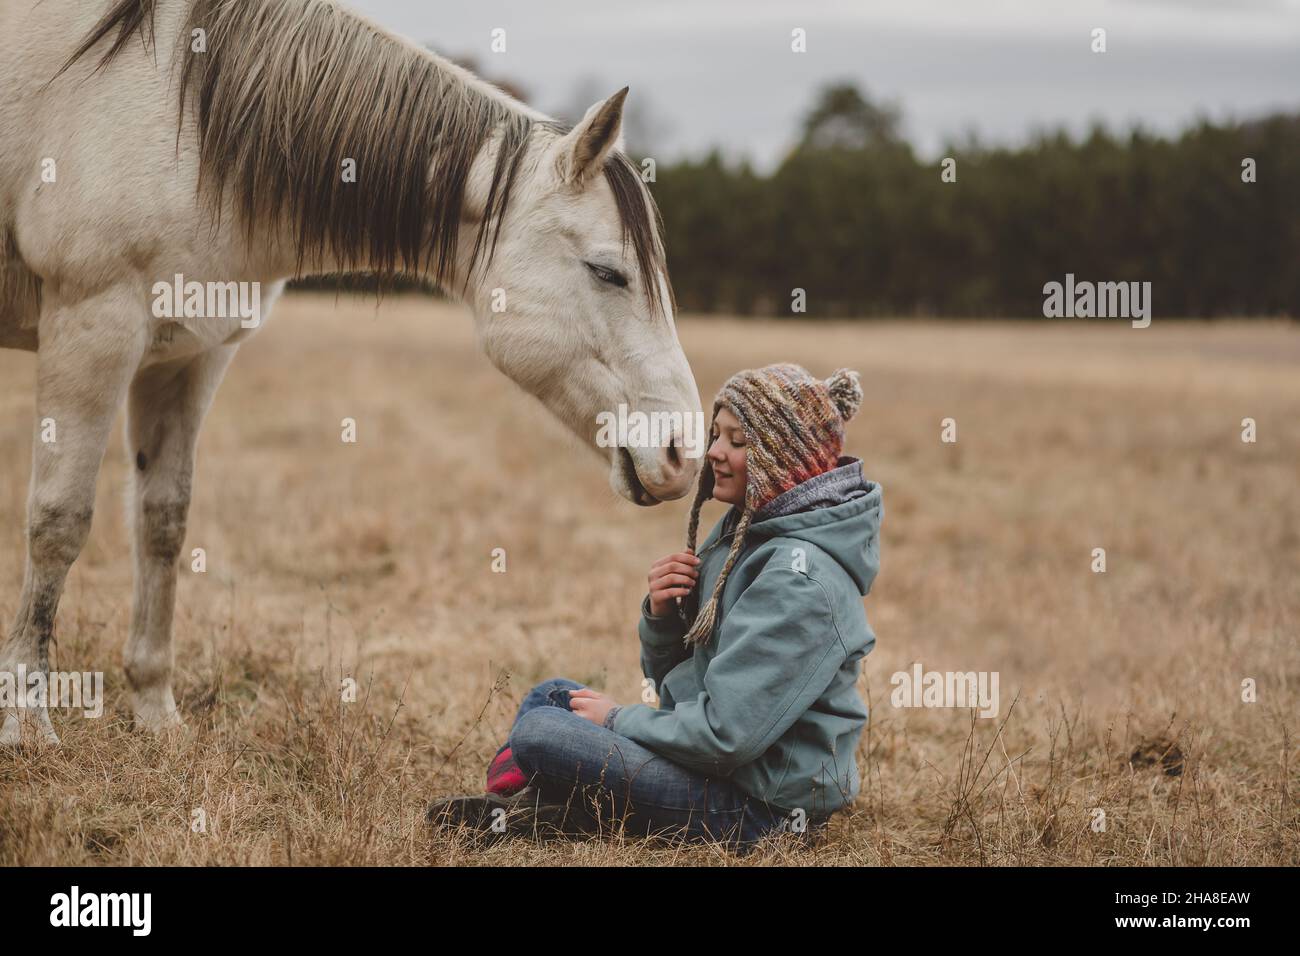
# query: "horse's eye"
612,276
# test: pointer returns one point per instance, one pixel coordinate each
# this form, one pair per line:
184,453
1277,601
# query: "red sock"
504,776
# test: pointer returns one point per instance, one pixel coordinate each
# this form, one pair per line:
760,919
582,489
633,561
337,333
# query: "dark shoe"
491,816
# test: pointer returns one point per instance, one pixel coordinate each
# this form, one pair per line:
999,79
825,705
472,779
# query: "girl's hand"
591,704
672,577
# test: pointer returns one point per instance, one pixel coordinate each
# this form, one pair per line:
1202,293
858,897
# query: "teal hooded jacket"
771,701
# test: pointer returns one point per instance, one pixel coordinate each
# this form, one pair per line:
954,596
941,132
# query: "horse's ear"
582,151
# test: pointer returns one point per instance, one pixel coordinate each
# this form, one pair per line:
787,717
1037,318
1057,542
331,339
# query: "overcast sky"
720,73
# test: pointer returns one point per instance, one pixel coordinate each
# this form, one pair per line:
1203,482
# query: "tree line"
851,216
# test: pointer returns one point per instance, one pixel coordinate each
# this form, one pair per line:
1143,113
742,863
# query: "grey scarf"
840,484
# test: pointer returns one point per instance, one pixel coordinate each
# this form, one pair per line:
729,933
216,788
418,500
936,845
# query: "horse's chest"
171,341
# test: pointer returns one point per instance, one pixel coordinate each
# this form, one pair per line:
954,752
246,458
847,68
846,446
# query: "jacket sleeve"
661,644
779,651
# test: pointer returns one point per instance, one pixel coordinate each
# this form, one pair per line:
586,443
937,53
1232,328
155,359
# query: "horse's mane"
289,88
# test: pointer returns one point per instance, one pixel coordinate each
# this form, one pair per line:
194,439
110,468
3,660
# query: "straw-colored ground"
374,560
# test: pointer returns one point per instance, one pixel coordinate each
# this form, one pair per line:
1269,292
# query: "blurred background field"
1119,691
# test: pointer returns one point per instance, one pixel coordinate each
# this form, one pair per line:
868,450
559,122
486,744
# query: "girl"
759,714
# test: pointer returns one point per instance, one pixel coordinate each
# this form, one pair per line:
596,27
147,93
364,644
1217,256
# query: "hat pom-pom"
846,392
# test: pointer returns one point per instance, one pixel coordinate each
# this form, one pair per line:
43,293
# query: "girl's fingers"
672,587
673,564
678,568
681,557
682,576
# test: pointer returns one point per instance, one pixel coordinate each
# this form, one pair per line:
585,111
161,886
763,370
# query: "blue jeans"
571,760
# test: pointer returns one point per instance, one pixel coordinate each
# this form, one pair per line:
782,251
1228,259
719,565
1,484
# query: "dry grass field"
1120,691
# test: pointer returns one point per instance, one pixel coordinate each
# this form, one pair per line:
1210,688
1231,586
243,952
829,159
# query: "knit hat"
794,430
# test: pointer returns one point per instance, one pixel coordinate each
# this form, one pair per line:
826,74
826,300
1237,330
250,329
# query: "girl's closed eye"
727,458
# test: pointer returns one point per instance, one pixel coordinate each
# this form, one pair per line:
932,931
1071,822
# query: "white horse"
250,141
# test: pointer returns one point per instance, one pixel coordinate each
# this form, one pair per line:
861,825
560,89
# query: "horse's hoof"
39,732
157,717
168,725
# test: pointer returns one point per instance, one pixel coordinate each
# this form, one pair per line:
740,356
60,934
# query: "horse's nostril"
674,457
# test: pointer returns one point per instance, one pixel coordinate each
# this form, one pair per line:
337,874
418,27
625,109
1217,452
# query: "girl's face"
727,458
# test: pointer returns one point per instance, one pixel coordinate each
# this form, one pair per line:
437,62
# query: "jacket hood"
839,511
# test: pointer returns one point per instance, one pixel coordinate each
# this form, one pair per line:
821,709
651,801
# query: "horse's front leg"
166,409
89,350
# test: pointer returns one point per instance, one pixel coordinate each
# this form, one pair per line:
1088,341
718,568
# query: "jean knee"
544,693
531,734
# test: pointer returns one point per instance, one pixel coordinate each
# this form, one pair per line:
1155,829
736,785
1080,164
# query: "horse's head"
574,303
